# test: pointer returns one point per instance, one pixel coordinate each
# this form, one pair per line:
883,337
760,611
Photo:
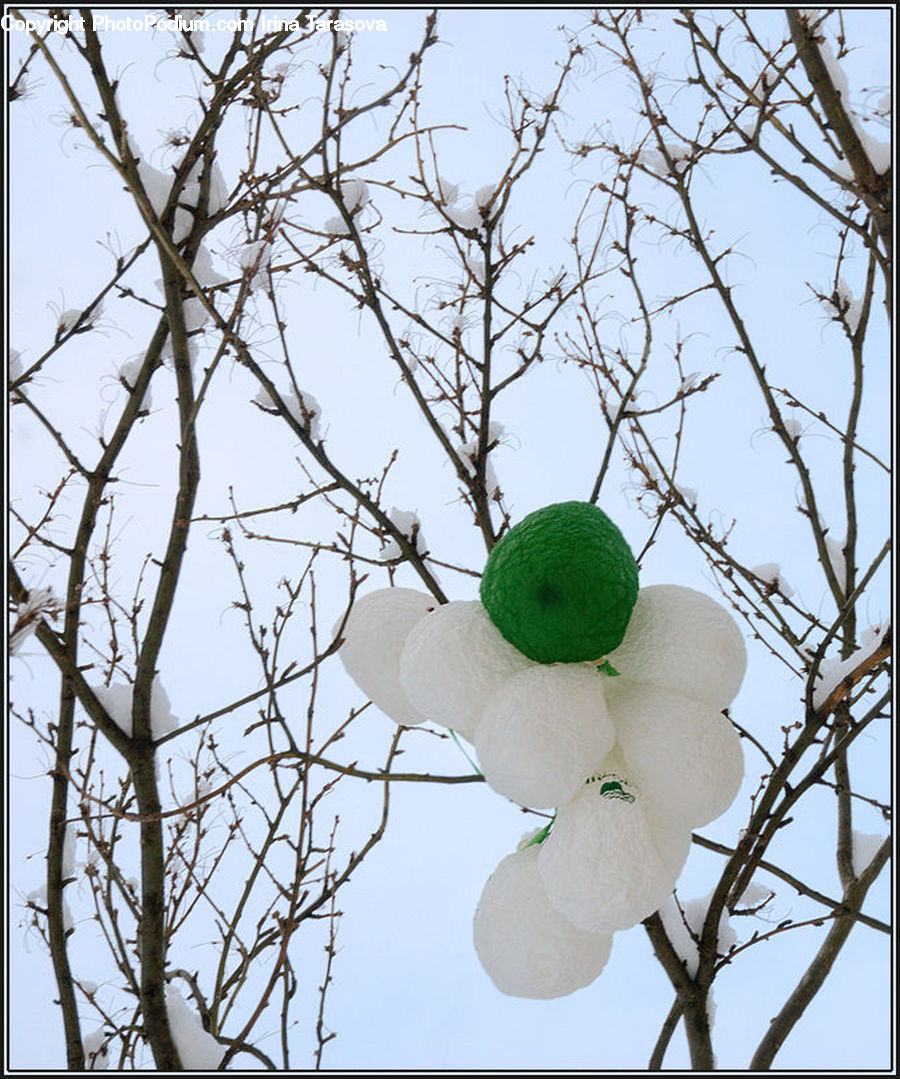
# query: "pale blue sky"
408,991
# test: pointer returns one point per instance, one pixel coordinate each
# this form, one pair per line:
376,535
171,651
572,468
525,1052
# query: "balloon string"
462,750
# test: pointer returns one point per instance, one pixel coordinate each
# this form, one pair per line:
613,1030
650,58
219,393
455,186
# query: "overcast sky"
408,990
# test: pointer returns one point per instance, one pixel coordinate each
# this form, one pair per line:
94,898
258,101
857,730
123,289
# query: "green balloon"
560,586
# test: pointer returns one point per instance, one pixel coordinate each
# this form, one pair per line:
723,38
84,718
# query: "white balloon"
526,946
454,659
543,732
685,755
606,865
374,636
671,838
683,641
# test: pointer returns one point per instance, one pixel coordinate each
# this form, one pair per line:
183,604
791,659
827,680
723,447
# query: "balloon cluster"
579,692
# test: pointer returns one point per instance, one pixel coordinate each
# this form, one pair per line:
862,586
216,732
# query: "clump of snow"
196,315
843,304
304,408
543,732
865,847
684,925
754,896
254,259
447,192
842,169
484,196
683,642
264,399
374,637
793,427
468,218
835,549
836,72
188,201
198,1049
96,1054
410,526
468,451
767,78
162,721
158,188
684,754
117,700
655,161
218,190
38,898
157,185
203,271
68,853
527,947
128,375
309,412
74,317
454,659
475,266
833,671
770,573
15,364
191,25
877,151
688,494
354,195
194,309
41,603
600,864
336,226
474,216
184,222
191,351
195,312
